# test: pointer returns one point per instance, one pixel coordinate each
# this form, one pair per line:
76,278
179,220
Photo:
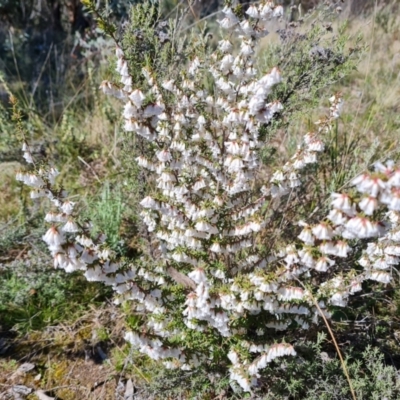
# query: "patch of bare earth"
65,362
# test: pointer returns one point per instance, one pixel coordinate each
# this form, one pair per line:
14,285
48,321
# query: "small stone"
22,389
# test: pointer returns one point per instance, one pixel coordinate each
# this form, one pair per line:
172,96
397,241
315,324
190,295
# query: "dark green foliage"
317,375
34,296
149,40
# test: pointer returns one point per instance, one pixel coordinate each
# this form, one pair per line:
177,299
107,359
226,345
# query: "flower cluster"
245,374
204,213
370,211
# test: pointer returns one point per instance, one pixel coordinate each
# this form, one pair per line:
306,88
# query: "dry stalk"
343,364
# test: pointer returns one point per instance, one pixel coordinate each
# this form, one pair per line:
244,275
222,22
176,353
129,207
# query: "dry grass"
72,360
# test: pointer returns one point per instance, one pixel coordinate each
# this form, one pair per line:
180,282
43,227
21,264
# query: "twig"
192,11
40,76
88,165
345,371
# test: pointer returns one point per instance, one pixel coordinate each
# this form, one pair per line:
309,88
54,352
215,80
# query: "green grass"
34,296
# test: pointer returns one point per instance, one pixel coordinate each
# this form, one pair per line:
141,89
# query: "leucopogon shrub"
207,289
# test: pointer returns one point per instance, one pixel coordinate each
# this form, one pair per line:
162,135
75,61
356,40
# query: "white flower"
291,257
306,236
37,193
108,89
233,357
88,256
127,81
385,169
60,260
323,264
365,183
278,12
216,248
322,231
84,241
149,202
252,11
153,110
169,85
328,247
362,227
51,217
129,111
54,238
342,249
226,63
355,286
200,184
368,205
379,276
341,201
194,65
394,180
316,145
218,274
119,52
290,293
230,19
95,274
164,155
33,180
67,207
246,27
198,276
266,9
394,203
339,299
225,45
203,226
137,98
70,226
271,79
52,175
20,176
337,217
122,68
307,257
28,157
310,158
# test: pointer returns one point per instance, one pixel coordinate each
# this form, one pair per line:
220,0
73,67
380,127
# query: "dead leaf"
181,278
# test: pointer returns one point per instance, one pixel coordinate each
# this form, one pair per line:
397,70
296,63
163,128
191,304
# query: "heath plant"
219,284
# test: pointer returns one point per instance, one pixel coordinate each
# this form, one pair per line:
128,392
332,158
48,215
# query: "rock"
129,390
25,367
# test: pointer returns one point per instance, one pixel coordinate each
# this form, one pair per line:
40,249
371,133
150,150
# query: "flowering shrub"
208,287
